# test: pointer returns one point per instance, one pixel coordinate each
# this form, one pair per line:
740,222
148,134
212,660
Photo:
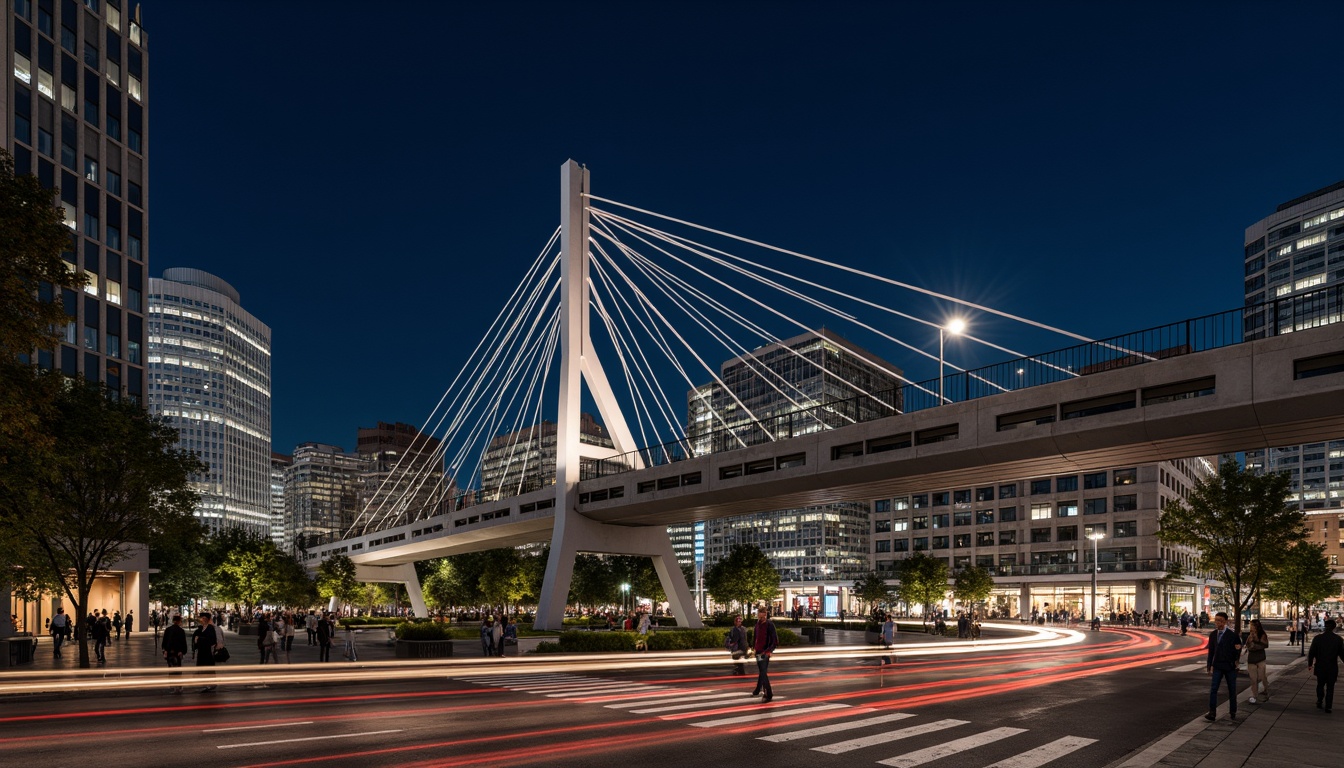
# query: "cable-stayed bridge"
783,427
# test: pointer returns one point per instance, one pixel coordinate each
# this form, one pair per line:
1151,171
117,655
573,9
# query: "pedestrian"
510,635
267,640
287,637
1323,659
1257,640
1292,632
764,643
116,623
174,648
310,624
642,641
888,638
130,623
209,642
102,633
350,652
59,623
497,637
323,633
486,640
1224,649
736,645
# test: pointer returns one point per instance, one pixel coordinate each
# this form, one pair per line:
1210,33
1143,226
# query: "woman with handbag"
1256,643
736,644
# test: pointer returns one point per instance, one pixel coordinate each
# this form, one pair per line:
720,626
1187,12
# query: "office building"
1294,259
279,466
77,118
402,477
777,390
524,460
210,378
322,493
1033,536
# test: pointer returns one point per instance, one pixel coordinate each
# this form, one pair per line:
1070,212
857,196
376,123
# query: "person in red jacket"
763,642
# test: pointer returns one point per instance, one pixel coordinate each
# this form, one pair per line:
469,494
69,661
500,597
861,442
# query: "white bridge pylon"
574,533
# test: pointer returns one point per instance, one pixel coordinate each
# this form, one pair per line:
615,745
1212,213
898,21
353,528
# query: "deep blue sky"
374,177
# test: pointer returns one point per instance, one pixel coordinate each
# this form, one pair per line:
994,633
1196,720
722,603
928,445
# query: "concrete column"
1024,601
395,574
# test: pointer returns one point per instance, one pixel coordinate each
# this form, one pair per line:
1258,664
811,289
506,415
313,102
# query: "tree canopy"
251,570
1241,524
972,585
872,588
1303,579
745,576
336,578
923,581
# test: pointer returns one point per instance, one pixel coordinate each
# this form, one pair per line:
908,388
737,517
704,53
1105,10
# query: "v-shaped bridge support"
573,532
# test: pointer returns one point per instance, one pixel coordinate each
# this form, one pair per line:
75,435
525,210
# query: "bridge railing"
1222,329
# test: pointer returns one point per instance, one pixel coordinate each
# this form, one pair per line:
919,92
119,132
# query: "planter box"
424,649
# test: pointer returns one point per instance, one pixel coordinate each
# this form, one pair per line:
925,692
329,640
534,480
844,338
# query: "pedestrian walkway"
1287,730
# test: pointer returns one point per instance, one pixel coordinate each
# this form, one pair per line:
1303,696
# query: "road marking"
590,695
656,696
950,748
772,714
1043,754
503,679
676,700
1186,667
591,685
825,729
254,727
840,747
699,704
308,738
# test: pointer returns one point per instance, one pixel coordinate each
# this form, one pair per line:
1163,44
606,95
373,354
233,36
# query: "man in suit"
1224,649
1326,651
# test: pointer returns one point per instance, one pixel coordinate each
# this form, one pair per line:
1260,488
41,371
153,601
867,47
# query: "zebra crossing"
1200,666
705,707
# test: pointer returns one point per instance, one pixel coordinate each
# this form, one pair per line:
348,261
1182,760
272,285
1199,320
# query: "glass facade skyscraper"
77,119
210,377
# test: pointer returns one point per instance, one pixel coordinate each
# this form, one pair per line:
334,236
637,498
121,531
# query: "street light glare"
956,325
1096,536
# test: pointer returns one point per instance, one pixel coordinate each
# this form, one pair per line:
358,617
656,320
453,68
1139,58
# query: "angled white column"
395,574
574,533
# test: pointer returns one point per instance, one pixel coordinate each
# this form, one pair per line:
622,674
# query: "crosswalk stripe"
1044,753
841,747
675,700
775,713
658,693
834,727
1186,667
591,685
515,679
594,694
698,704
946,749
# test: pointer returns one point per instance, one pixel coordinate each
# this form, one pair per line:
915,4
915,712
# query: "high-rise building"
322,489
77,119
524,461
403,478
779,390
1294,260
210,377
279,466
1033,534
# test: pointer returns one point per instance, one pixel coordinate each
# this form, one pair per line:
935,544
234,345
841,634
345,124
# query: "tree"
443,587
923,581
252,570
112,480
1240,524
972,585
745,576
593,582
183,573
872,589
503,582
1303,578
336,578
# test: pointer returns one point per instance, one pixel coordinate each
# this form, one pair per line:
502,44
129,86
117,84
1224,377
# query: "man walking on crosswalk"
764,642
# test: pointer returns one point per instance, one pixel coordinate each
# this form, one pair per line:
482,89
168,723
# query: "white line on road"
703,704
656,696
591,695
253,727
774,714
833,728
841,747
308,738
1033,758
950,748
678,699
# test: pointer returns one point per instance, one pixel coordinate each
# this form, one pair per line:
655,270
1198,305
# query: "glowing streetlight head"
1096,536
955,326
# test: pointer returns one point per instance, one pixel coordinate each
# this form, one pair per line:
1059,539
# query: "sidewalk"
1288,730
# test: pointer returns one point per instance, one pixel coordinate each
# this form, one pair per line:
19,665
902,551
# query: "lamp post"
625,592
954,326
1096,564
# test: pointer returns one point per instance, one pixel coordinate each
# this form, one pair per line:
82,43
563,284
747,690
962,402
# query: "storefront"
124,588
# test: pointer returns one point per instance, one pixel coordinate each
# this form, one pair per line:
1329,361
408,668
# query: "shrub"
423,631
687,639
583,642
545,646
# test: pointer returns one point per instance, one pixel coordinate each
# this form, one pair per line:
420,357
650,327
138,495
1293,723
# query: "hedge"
423,631
377,621
674,640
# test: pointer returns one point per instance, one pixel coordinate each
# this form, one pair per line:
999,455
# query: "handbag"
221,655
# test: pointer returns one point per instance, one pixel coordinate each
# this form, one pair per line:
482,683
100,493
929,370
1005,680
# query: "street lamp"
954,326
1096,564
625,591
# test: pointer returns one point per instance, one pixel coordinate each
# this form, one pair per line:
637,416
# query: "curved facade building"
210,376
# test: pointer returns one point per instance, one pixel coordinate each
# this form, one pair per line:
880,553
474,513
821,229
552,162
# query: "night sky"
374,178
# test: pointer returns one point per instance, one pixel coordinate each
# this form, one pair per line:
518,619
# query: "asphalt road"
1079,705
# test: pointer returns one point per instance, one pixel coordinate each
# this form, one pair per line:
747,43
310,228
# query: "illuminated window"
23,68
135,33
90,168
113,292
1126,476
113,15
1068,509
1041,511
113,71
133,86
44,84
68,100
